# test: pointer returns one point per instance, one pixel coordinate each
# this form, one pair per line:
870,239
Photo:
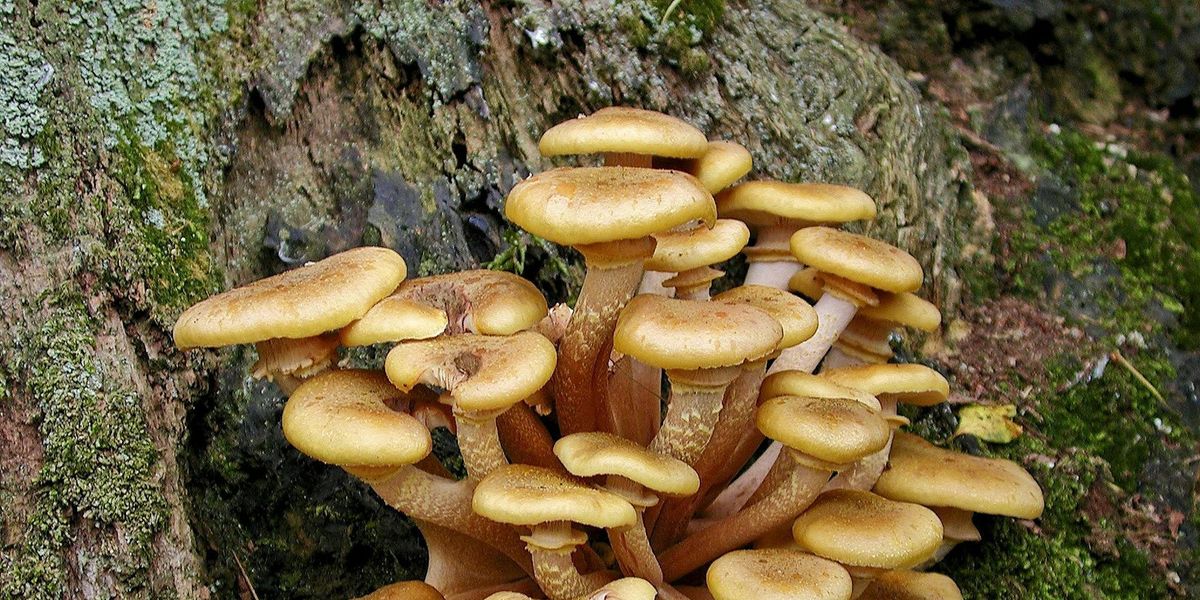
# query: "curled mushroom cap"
684,334
795,316
589,454
907,309
484,372
304,302
923,473
777,574
618,129
343,418
857,258
833,431
861,529
479,301
779,203
392,320
405,590
911,585
799,383
591,205
699,247
524,495
722,164
905,383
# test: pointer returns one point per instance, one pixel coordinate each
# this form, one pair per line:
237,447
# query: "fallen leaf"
989,423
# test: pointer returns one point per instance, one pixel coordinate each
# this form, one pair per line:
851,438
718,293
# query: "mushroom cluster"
655,440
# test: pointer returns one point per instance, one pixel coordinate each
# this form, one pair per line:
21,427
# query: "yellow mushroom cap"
405,590
693,278
905,383
923,473
626,130
628,588
592,453
861,529
682,250
777,574
911,585
479,301
341,418
834,431
684,334
906,309
800,383
392,320
807,282
762,203
798,319
304,302
525,495
481,372
857,258
722,164
590,205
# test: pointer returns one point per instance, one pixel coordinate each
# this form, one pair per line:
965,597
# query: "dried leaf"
989,423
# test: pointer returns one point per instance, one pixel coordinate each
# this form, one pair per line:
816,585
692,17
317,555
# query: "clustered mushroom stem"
628,159
738,492
631,544
553,568
646,393
458,563
833,314
773,273
837,359
786,502
525,439
652,283
692,415
479,442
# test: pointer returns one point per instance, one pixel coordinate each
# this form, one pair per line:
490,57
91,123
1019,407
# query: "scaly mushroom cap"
525,495
905,383
925,474
625,130
807,282
798,319
722,164
864,530
592,453
832,431
591,205
911,585
800,383
777,574
684,334
857,258
405,590
481,372
905,309
393,320
304,302
342,418
682,250
762,203
479,301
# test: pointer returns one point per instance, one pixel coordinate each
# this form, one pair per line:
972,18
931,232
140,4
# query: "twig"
245,577
667,14
1137,375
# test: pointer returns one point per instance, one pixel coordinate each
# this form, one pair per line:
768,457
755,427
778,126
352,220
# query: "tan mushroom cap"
699,247
857,258
593,453
763,203
777,574
907,309
405,590
342,418
693,278
525,495
833,431
590,205
482,372
862,529
685,334
807,282
392,320
627,588
926,474
722,164
905,383
911,585
626,130
798,319
800,383
479,300
304,302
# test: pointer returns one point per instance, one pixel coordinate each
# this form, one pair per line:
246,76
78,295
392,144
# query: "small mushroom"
911,585
405,590
777,574
628,137
867,338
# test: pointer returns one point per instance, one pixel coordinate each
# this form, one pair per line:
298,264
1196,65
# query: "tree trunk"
157,151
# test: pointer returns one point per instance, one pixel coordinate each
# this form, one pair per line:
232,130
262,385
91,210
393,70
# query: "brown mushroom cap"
923,473
906,309
798,319
483,372
722,164
911,585
905,383
591,205
862,529
525,495
857,258
341,417
405,590
593,453
799,383
777,574
684,334
699,247
479,300
834,431
626,130
807,282
392,320
304,302
762,203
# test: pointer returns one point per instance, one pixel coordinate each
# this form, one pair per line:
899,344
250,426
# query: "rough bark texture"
156,151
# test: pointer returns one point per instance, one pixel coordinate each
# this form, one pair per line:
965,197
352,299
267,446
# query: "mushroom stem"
613,275
795,493
551,545
838,358
628,159
525,439
479,442
652,283
302,357
693,411
459,564
833,314
738,492
771,263
631,544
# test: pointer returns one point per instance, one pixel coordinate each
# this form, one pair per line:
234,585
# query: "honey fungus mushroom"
627,137
777,574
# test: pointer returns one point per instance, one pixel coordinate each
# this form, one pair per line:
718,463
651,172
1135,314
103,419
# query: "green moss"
674,30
